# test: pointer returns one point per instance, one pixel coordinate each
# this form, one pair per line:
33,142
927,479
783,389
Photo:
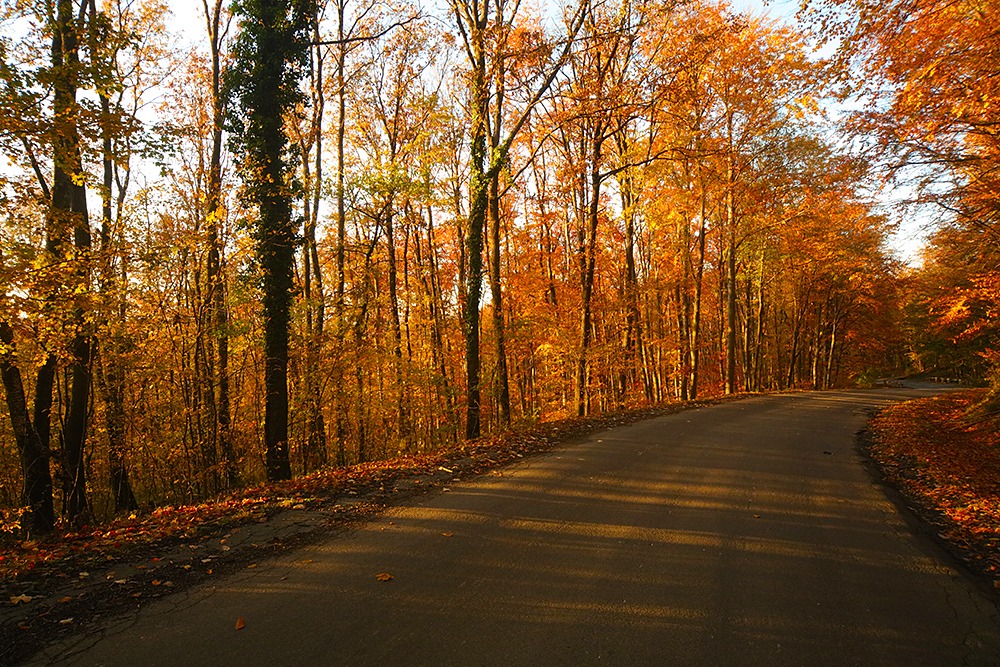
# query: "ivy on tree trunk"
269,58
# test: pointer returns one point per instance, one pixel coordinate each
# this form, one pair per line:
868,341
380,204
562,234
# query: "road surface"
747,533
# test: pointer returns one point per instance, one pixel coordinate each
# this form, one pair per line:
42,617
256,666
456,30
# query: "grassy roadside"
948,468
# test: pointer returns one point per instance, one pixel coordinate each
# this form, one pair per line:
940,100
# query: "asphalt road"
748,533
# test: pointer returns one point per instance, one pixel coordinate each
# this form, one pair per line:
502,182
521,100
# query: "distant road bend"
748,533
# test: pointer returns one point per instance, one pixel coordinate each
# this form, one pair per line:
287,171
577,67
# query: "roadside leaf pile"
948,464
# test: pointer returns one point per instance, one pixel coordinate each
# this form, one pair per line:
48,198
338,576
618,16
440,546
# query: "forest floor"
947,469
946,465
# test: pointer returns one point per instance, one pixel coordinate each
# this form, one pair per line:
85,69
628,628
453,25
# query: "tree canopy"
345,230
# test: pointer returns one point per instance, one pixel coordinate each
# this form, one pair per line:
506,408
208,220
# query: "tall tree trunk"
402,424
69,201
588,265
36,494
730,294
215,274
502,375
633,330
473,20
314,452
429,280
340,194
111,363
479,184
685,308
699,280
272,49
361,414
797,325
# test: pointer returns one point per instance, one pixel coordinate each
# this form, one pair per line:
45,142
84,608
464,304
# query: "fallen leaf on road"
383,576
68,598
18,599
251,566
756,516
240,623
155,582
66,621
446,534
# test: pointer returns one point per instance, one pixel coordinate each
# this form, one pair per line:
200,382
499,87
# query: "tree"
217,25
474,20
269,57
927,72
124,41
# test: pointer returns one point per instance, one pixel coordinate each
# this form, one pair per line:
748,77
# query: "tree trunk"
36,494
69,202
402,423
730,291
588,265
215,275
111,364
502,375
633,331
698,286
479,183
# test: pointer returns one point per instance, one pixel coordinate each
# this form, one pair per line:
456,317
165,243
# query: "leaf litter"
947,465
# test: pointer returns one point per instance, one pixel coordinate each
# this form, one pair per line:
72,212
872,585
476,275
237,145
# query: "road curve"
747,533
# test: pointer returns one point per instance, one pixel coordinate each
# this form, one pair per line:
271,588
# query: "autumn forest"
298,234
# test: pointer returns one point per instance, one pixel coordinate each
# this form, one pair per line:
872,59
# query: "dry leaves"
383,576
929,448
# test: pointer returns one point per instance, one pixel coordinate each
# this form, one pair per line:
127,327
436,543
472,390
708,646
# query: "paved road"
748,533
